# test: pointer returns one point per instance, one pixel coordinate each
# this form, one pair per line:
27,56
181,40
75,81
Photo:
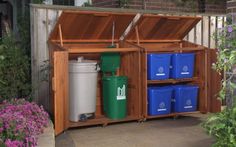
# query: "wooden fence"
43,19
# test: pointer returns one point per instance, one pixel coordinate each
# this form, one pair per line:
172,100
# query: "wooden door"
214,83
60,90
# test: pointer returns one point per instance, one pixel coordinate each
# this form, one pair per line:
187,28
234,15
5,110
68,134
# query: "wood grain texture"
90,25
156,27
60,98
100,50
214,84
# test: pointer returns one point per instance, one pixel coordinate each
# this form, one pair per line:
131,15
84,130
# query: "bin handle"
97,68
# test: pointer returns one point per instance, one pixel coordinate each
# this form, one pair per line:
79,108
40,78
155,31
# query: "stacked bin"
159,100
182,65
171,98
158,66
184,98
114,87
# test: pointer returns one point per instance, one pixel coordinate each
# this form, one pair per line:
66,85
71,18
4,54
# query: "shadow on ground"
169,132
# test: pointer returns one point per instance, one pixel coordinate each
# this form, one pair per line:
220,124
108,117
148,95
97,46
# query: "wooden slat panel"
60,98
156,27
34,51
212,31
86,25
191,36
198,33
214,82
206,31
100,50
42,55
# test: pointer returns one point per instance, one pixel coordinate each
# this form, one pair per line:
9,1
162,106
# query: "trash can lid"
81,62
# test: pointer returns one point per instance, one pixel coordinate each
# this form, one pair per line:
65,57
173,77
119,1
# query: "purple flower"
230,29
22,120
13,143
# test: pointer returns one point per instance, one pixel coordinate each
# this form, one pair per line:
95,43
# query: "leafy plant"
14,70
223,125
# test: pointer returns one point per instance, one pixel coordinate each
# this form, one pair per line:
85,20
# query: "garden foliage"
223,125
14,70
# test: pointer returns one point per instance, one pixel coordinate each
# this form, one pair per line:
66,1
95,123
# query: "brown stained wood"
173,81
153,49
102,29
173,114
101,120
60,99
144,84
60,35
130,67
214,83
153,41
90,25
85,40
100,50
137,35
156,27
86,45
200,67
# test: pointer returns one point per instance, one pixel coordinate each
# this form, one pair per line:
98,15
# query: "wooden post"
60,34
137,35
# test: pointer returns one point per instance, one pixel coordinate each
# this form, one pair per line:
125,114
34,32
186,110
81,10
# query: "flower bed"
20,123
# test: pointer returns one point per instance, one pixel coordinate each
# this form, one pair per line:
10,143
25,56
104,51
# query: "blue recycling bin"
182,65
184,98
159,100
158,66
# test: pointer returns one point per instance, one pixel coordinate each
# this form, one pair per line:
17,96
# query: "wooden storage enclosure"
164,34
88,34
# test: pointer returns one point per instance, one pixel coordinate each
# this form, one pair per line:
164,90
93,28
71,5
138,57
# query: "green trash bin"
115,96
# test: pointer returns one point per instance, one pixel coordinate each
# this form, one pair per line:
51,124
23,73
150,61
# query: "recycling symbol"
162,105
188,102
161,69
185,68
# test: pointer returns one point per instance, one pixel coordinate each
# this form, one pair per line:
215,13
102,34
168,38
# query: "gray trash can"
82,89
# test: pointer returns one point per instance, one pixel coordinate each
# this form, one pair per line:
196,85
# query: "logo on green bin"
121,93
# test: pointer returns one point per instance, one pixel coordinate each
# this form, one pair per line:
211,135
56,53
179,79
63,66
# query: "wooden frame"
130,66
199,77
66,45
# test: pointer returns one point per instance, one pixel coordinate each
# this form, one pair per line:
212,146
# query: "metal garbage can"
115,96
82,89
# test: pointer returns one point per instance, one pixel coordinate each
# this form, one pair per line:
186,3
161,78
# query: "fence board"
199,33
43,19
212,31
205,31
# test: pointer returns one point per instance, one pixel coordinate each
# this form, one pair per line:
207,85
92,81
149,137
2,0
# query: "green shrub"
14,70
222,126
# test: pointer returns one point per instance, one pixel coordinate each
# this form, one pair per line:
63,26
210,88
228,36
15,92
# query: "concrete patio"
167,132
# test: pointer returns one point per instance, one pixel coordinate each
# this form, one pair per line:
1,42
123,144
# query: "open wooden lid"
163,28
90,25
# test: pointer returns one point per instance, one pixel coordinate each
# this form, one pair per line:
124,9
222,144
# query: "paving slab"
167,132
